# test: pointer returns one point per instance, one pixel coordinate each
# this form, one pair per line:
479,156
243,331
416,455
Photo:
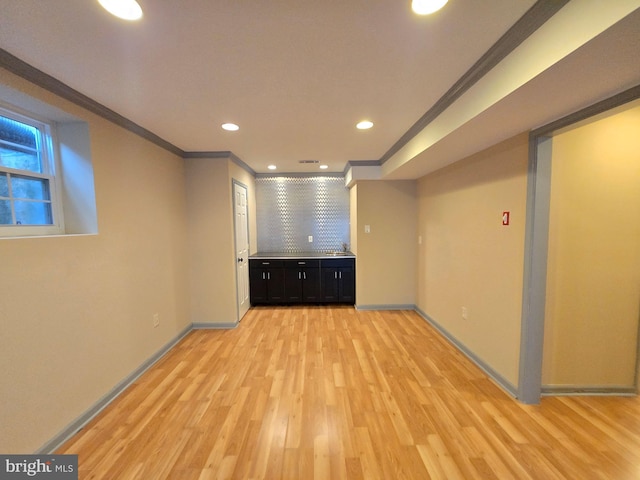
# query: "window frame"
47,147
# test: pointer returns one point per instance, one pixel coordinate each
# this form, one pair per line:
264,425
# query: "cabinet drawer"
338,263
259,263
302,263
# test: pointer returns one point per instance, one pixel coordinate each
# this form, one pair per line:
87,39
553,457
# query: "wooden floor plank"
333,393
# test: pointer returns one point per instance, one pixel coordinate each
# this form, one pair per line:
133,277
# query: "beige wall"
211,237
468,259
76,311
593,276
386,257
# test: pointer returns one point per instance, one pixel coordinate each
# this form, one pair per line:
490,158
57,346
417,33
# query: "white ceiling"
298,75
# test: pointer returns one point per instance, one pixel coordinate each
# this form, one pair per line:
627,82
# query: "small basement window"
29,203
46,171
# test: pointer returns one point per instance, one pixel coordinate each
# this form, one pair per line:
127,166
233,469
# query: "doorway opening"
581,308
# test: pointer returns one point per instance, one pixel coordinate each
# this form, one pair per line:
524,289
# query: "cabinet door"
293,284
258,285
330,291
276,285
347,285
311,285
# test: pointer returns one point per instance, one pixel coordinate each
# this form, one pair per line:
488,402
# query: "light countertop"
292,255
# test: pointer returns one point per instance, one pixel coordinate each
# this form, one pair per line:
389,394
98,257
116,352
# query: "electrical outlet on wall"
310,238
465,313
156,320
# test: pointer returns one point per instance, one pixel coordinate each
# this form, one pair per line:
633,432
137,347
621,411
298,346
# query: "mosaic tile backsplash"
290,209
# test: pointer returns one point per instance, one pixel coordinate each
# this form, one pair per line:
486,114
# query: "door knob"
240,260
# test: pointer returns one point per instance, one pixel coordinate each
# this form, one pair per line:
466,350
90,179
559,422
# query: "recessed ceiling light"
272,167
425,7
125,9
364,125
324,167
230,127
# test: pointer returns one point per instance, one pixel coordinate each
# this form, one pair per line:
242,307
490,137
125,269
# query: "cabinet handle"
335,275
340,275
302,263
299,276
263,276
304,275
268,275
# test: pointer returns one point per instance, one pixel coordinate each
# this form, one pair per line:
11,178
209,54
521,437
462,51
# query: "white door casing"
241,224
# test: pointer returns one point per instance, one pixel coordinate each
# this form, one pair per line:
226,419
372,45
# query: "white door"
241,221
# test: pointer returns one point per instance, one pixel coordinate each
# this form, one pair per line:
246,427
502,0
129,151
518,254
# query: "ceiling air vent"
308,161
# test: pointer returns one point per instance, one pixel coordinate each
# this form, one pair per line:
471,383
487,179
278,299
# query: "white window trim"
51,164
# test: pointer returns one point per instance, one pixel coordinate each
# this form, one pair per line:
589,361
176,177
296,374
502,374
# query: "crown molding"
597,108
19,67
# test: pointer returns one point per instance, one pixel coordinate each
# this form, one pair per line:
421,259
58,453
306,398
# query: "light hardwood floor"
332,393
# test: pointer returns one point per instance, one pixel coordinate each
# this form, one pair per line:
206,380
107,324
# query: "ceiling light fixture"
364,125
324,167
230,127
425,7
272,167
124,9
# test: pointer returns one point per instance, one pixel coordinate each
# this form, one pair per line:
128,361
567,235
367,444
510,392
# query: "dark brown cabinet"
302,280
338,281
266,281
